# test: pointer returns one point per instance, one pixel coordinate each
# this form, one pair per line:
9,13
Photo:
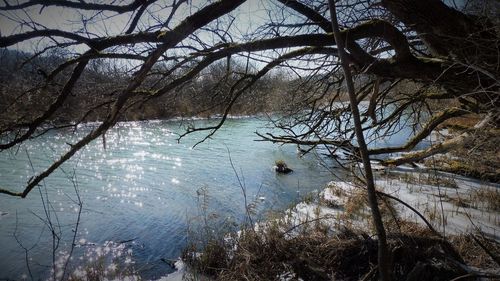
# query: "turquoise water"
143,187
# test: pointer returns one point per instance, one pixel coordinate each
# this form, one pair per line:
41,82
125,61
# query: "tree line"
168,49
89,101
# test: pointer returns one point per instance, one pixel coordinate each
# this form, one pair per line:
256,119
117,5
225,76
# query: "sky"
248,16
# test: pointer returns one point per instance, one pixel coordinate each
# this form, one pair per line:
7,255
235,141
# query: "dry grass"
99,270
316,251
479,158
458,201
486,197
356,205
356,208
462,123
345,255
472,253
399,227
214,257
422,178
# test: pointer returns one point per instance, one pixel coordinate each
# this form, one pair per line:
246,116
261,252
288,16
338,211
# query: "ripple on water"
142,185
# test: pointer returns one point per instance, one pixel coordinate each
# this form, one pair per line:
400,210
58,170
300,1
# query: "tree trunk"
384,260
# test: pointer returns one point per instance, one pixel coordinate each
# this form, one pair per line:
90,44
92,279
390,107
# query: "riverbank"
331,236
478,158
124,176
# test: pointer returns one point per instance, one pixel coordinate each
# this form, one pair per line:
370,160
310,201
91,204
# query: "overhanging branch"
439,148
426,130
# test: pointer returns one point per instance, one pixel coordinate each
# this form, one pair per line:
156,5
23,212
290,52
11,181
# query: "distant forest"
205,96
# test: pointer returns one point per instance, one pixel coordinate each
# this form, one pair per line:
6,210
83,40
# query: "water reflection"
141,185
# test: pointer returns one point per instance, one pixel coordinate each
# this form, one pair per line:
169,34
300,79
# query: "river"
143,187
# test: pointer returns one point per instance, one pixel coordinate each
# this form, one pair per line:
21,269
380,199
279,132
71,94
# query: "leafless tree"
383,253
406,56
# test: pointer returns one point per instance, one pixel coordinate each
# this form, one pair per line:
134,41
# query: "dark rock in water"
283,170
282,167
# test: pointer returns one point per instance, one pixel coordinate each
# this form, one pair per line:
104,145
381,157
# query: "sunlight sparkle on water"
139,171
141,154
